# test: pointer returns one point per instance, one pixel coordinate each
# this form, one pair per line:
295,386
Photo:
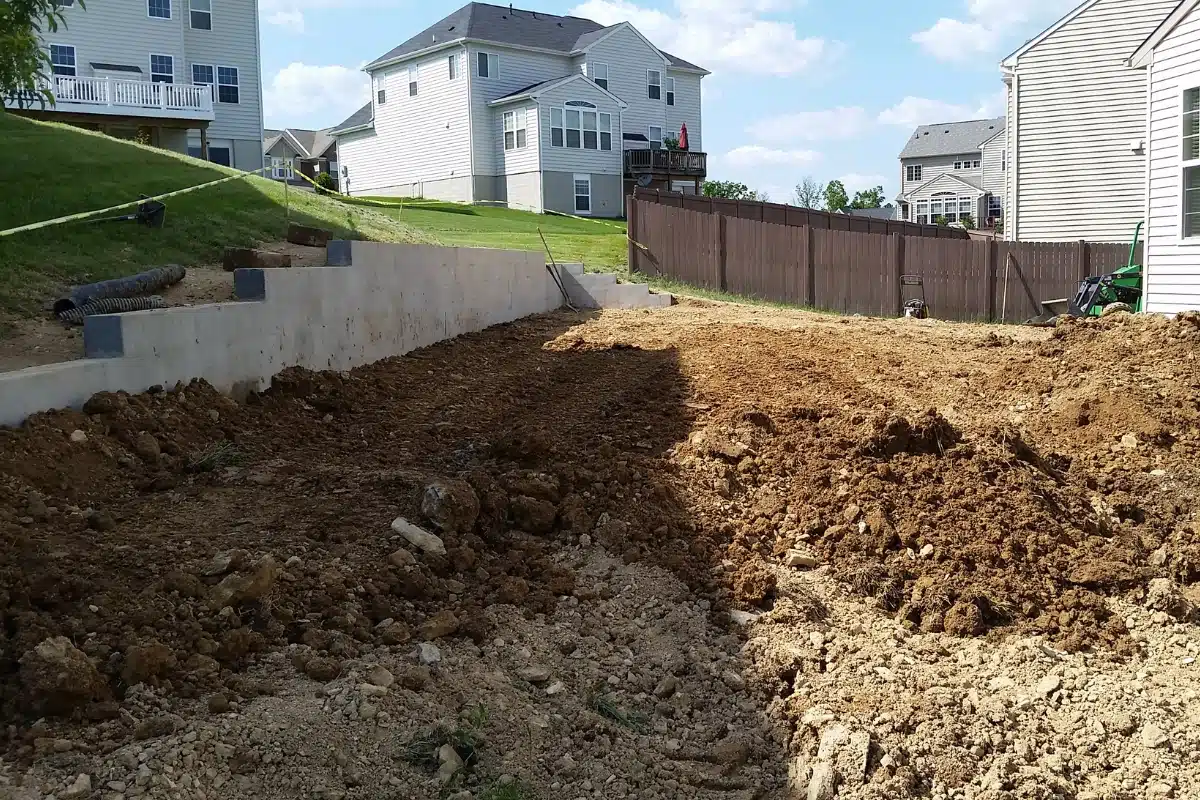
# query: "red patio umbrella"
683,142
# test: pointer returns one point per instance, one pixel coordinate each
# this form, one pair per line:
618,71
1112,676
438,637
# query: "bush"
325,183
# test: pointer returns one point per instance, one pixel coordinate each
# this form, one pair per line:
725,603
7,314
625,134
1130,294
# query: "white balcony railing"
132,98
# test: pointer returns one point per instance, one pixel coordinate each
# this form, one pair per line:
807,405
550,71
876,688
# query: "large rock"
241,587
249,258
59,678
145,662
443,623
308,237
533,515
419,537
451,505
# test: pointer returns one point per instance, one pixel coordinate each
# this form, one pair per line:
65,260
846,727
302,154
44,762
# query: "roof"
359,119
887,212
1033,42
951,138
512,26
1141,56
945,177
115,67
311,144
534,90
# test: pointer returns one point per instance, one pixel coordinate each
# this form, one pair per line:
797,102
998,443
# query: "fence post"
723,253
990,271
896,252
1083,258
810,261
632,226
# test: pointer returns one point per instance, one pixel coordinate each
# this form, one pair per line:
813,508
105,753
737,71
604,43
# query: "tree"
729,190
761,197
808,193
835,196
968,222
868,198
24,63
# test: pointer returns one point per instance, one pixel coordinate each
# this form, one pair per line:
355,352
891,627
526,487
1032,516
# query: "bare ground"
706,551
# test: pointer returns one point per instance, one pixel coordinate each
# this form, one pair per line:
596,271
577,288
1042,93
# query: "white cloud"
987,24
289,14
811,126
292,20
754,155
855,182
307,96
733,35
913,111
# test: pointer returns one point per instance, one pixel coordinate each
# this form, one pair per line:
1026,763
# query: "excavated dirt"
846,544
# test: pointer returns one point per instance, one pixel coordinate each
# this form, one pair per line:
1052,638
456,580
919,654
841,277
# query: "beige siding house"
184,73
950,171
542,112
1076,125
1169,60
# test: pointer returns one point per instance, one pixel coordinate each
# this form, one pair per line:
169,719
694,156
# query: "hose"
109,305
130,286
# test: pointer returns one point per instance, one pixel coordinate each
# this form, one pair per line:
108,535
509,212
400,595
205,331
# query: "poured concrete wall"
375,300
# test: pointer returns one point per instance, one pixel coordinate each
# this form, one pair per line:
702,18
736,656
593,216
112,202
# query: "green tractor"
1120,290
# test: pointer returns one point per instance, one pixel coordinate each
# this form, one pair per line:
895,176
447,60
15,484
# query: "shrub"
325,183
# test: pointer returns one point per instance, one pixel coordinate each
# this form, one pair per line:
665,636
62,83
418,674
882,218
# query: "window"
670,91
64,3
162,69
381,97
975,164
412,80
572,124
912,172
227,85
159,8
966,208
1003,160
452,63
654,84
556,127
958,165
606,131
201,14
591,140
1190,159
995,208
203,74
583,194
654,134
62,59
489,65
281,168
922,211
514,129
220,155
600,75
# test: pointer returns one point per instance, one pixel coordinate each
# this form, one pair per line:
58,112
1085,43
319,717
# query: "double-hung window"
201,14
488,65
159,9
514,129
606,131
281,168
654,134
412,80
922,215
670,91
162,69
1190,163
452,61
227,85
583,193
600,74
574,128
556,128
912,172
654,84
62,59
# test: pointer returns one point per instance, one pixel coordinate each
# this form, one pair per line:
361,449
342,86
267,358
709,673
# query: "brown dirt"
968,479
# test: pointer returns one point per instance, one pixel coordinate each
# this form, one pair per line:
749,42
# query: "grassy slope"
51,170
599,244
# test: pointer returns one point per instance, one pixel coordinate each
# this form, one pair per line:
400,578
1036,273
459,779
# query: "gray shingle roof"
360,117
315,142
510,26
533,87
888,212
951,138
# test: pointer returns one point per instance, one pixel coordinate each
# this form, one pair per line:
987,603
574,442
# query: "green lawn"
51,170
599,244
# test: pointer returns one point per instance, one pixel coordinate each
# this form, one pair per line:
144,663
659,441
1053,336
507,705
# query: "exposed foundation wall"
376,300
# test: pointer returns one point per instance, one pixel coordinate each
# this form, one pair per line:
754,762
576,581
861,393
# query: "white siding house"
541,112
1077,125
944,173
1170,59
183,72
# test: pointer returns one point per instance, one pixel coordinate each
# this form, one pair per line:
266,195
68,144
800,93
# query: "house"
544,112
886,212
293,150
952,171
1169,60
1076,121
179,74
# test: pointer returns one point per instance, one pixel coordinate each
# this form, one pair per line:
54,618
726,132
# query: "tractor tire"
1113,308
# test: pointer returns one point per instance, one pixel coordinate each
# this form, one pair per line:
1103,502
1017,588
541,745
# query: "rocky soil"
708,551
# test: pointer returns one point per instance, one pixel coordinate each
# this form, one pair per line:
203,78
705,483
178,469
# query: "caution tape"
33,226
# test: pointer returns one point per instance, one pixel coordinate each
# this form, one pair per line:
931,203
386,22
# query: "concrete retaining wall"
374,300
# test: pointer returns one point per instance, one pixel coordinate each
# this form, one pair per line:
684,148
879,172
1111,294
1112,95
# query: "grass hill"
51,170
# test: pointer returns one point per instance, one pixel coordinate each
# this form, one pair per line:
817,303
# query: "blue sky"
827,88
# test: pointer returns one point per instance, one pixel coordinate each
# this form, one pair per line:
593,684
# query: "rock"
1129,441
1048,685
512,590
823,783
428,654
36,507
81,787
395,633
60,678
1154,736
443,623
226,561
666,687
99,521
1163,595
449,763
1122,723
733,680
533,515
145,446
322,669
161,725
799,558
964,619
379,675
249,258
732,751
104,403
305,236
533,484
716,445
418,537
926,551
451,505
743,618
415,678
241,587
402,558
144,662
534,674
558,687
78,437
218,704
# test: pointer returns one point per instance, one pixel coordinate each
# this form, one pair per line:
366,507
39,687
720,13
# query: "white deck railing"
142,98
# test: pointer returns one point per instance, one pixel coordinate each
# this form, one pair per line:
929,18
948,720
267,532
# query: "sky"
828,89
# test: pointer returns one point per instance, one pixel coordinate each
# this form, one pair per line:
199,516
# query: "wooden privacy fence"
859,273
792,215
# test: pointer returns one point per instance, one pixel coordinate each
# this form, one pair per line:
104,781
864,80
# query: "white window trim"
218,84
603,129
452,67
161,55
191,10
650,84
592,73
74,57
599,129
493,65
170,11
650,139
1187,84
562,126
282,168
669,93
520,124
414,83
574,193
914,170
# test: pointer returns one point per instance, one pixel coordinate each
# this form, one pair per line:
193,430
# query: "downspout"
470,77
1146,203
541,173
1011,235
258,60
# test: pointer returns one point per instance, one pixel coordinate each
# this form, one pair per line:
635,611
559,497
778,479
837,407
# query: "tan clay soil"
706,551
